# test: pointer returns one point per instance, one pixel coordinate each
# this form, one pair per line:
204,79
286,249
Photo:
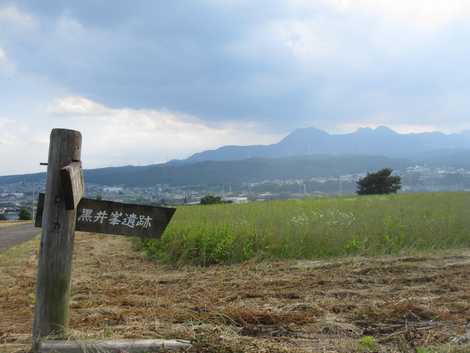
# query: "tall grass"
314,228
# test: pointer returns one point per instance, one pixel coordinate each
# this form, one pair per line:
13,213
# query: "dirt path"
13,235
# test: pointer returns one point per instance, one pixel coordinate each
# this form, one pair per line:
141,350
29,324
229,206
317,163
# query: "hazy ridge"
304,153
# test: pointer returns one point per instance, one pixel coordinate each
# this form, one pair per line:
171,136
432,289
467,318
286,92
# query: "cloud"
21,147
3,57
123,136
289,64
77,106
215,67
7,68
12,16
419,14
153,130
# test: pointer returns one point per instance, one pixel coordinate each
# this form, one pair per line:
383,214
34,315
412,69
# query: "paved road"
13,235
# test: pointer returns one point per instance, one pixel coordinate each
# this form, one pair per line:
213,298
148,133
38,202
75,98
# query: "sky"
148,81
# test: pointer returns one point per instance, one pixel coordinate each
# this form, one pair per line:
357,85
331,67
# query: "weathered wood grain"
116,346
55,255
72,184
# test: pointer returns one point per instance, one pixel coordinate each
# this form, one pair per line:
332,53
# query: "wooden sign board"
109,217
39,210
72,184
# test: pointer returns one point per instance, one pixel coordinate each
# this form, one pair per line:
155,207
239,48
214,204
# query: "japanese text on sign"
130,220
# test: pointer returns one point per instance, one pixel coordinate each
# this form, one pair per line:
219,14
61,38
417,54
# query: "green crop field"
314,228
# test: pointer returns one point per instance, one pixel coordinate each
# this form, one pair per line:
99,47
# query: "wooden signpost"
61,211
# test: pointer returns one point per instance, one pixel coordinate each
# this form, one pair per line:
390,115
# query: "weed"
368,344
314,228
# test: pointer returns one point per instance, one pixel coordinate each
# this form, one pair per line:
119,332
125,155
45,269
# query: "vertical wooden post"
58,228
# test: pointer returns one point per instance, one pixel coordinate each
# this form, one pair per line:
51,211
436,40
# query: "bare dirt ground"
408,304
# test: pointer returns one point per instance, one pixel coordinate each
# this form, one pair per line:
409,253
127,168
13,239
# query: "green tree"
24,215
211,200
3,217
378,183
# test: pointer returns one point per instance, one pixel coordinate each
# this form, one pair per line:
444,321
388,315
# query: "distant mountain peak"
311,129
364,141
304,133
379,129
385,129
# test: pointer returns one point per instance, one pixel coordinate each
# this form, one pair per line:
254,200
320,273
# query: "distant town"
15,196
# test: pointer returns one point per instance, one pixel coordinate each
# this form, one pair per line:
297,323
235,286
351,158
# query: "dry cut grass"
404,303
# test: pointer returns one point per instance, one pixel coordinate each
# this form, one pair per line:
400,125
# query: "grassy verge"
12,223
315,228
17,280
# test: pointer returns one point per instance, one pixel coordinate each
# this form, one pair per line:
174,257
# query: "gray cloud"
284,64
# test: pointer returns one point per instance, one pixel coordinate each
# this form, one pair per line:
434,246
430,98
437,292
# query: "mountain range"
364,141
304,153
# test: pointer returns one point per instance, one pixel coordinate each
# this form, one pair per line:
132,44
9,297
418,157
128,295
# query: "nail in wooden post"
58,227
